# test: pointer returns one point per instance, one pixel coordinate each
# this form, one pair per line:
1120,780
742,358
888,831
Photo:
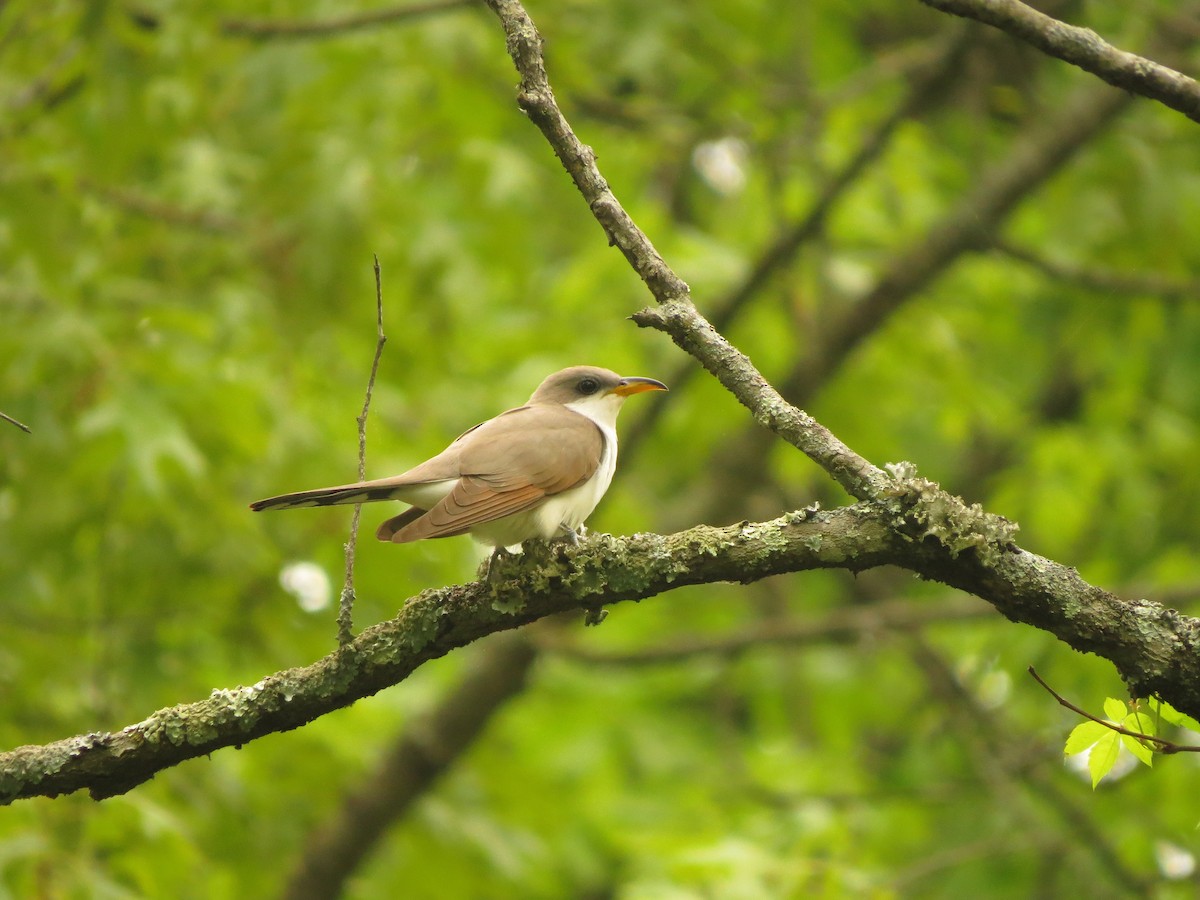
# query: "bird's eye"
588,386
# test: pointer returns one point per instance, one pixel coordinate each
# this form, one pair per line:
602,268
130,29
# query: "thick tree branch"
1084,48
915,526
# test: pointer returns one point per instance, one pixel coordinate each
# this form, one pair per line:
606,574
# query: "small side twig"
263,29
1100,280
11,420
345,620
1161,745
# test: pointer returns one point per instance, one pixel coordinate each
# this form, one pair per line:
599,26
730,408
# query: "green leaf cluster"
1103,743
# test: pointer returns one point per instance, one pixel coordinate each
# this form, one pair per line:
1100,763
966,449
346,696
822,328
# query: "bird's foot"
572,535
488,565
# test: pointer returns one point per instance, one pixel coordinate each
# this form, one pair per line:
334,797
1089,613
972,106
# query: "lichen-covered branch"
686,327
1084,48
914,525
1153,648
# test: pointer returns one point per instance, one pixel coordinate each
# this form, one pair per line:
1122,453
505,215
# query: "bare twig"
1161,745
1104,281
152,208
345,617
1084,48
12,421
262,29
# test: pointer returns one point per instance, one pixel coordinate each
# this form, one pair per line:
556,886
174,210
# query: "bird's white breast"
570,509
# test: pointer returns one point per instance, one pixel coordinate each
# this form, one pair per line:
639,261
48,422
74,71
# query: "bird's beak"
635,385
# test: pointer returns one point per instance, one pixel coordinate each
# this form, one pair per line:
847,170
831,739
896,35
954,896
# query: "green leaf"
1083,736
1171,715
1103,756
1142,751
1142,721
1115,709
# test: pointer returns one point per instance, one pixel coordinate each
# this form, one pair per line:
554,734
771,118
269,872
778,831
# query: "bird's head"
595,392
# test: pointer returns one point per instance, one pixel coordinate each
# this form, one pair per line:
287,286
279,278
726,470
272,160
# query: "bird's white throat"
601,409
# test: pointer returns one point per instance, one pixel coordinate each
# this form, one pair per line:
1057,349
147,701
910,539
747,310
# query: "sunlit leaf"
1115,709
1103,755
1171,715
1083,736
1143,751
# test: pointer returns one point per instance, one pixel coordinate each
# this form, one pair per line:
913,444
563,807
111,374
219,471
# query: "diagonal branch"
1084,48
11,421
783,250
1029,163
676,314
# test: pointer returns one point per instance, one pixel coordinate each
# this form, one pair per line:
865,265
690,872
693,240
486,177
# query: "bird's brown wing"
508,465
387,529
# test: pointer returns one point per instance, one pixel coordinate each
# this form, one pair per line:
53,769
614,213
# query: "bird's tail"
363,492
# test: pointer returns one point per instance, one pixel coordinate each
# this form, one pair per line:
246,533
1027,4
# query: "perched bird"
536,471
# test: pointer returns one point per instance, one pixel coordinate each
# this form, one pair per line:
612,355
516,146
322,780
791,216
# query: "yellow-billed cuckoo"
536,471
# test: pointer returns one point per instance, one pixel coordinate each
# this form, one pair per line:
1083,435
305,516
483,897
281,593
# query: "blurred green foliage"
187,221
